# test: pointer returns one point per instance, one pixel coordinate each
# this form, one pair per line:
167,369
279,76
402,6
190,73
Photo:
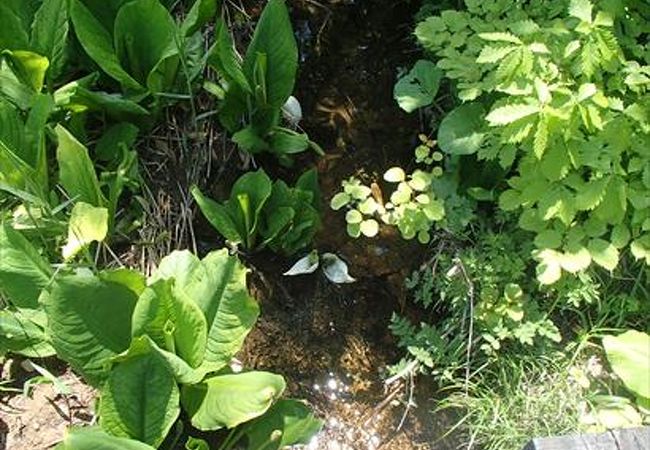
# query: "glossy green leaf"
76,170
288,422
140,398
274,38
144,36
98,43
24,272
30,68
50,34
94,438
460,132
629,356
87,224
22,336
419,87
89,321
230,400
219,217
172,320
218,286
201,12
224,58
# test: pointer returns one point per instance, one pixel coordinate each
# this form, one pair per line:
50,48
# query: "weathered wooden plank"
634,438
623,439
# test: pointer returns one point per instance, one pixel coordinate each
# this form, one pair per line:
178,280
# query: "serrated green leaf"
491,54
581,9
510,113
603,253
592,194
500,37
575,259
548,239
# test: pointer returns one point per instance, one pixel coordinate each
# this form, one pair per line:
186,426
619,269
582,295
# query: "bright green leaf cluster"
261,213
557,96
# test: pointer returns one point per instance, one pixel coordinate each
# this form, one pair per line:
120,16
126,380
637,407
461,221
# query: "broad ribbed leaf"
224,59
291,419
20,335
202,12
460,131
230,311
89,321
274,38
144,33
98,43
76,170
230,400
219,217
95,439
218,286
50,34
172,320
140,399
24,272
629,356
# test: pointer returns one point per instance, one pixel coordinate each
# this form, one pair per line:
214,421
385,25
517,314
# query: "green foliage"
181,327
419,87
629,355
486,296
558,97
254,91
261,213
414,205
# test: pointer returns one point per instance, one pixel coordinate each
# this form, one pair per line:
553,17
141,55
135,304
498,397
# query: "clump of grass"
505,408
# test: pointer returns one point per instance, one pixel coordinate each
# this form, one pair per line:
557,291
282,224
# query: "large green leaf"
224,59
34,152
257,188
144,33
202,12
219,217
292,420
89,320
98,43
14,32
19,334
230,400
274,38
95,439
223,297
140,398
50,34
76,97
87,224
218,286
172,320
24,272
419,87
76,170
629,356
460,132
